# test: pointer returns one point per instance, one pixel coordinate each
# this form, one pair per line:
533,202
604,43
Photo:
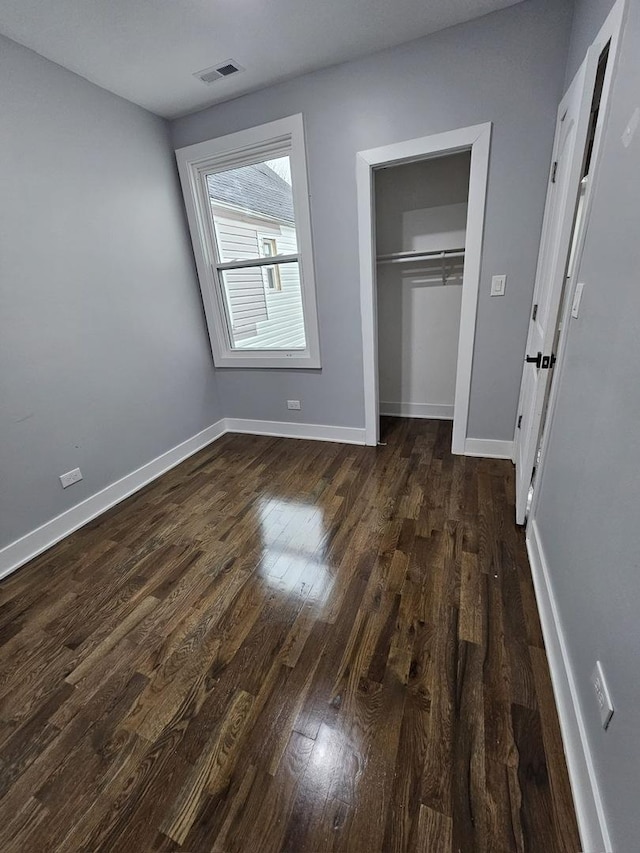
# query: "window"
271,274
247,204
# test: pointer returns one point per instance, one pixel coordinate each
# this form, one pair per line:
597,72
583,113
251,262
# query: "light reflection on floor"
293,533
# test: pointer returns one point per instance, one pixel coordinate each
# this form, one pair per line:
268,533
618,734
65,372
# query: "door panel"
562,197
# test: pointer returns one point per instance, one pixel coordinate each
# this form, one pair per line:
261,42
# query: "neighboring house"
253,212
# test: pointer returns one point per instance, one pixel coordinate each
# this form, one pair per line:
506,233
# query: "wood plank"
434,831
533,781
472,601
210,772
564,818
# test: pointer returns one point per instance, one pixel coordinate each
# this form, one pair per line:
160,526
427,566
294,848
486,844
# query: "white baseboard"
288,429
29,546
594,834
488,447
435,411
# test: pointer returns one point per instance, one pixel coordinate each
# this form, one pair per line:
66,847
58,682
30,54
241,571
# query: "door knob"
545,362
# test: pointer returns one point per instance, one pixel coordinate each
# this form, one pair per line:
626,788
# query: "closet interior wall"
420,207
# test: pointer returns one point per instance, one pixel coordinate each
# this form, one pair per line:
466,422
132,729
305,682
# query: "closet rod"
407,257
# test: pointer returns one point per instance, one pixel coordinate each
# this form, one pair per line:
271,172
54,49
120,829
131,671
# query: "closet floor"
286,645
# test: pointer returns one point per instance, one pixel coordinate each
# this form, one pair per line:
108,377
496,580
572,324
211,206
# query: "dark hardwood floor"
285,645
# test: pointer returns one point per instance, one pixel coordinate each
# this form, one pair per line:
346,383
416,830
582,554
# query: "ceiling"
148,50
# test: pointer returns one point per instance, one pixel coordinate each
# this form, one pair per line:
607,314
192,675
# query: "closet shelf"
410,257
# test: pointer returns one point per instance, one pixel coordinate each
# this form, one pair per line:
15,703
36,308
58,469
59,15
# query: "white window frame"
284,137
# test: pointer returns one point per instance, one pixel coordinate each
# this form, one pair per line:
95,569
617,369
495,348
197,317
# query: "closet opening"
421,210
420,227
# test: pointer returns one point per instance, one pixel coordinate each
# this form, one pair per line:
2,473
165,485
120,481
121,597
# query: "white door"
562,197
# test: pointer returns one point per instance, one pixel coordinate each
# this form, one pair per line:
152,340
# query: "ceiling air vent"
222,69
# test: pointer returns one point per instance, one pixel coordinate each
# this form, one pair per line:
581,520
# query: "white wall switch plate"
602,694
70,478
498,285
293,404
577,298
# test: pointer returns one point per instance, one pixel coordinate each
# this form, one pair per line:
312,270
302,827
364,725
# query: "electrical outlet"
602,694
498,285
293,404
70,478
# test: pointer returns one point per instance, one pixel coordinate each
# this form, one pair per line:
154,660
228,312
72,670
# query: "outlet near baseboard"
294,404
70,478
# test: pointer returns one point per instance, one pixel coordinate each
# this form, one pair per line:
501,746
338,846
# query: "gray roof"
256,189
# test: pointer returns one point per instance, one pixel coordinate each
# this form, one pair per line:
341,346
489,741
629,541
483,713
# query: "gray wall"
590,493
588,17
507,68
104,358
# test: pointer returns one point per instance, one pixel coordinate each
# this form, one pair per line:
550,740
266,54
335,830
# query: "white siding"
262,318
238,240
284,326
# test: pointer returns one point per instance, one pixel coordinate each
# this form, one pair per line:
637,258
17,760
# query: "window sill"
283,362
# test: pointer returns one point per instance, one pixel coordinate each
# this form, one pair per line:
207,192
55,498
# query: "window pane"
261,317
252,209
272,275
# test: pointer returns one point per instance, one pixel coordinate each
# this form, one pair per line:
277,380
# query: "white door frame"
477,140
609,32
